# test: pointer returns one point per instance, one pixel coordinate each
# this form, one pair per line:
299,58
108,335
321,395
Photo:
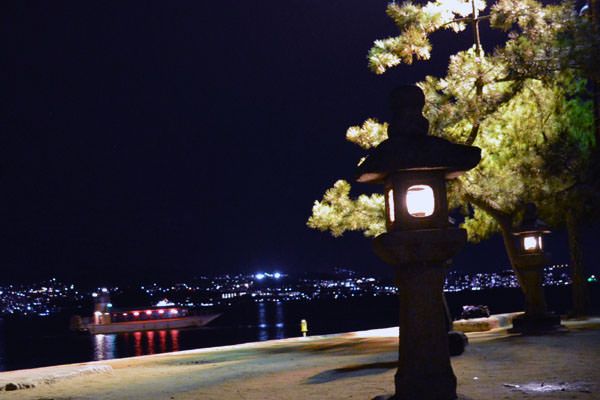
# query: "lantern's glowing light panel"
532,243
391,211
420,201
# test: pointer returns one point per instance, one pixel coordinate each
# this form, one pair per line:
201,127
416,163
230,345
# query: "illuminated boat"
164,315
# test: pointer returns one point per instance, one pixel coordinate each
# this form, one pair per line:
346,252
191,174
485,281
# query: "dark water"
28,343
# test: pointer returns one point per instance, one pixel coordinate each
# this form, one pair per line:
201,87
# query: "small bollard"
303,327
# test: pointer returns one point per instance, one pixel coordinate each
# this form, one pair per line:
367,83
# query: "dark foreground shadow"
352,371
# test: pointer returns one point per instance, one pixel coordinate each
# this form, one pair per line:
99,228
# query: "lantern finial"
531,221
406,103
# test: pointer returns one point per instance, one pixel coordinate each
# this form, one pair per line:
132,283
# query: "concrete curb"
485,324
29,378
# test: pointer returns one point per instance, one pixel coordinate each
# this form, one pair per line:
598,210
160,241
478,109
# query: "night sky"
157,139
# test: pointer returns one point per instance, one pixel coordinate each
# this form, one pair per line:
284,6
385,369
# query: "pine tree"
523,104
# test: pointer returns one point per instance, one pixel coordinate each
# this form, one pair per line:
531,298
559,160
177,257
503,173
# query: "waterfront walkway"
358,365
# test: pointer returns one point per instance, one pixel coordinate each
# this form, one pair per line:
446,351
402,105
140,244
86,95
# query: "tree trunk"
529,271
579,285
595,14
511,252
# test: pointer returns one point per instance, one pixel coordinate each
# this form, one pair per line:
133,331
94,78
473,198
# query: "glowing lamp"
174,311
391,208
161,311
530,232
532,243
136,314
420,201
148,312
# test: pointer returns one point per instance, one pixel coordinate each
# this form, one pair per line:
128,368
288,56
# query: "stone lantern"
530,233
529,262
413,168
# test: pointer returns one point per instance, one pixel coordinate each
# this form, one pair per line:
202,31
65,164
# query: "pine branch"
466,19
490,207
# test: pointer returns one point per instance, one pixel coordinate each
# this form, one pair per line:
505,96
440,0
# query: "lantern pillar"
531,269
418,257
536,318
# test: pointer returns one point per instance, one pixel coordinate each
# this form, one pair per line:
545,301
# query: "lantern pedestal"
536,324
418,256
536,319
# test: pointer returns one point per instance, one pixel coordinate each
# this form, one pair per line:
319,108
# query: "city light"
48,298
260,276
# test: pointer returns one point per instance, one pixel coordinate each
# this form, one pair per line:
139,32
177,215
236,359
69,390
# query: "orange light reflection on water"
162,341
150,336
174,339
137,343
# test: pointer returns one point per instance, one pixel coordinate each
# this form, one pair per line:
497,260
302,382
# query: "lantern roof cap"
531,223
410,148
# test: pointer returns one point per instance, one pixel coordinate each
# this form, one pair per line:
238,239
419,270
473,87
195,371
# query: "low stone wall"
485,324
29,378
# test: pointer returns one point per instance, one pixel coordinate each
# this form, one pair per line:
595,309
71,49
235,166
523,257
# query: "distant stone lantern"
529,263
414,168
530,233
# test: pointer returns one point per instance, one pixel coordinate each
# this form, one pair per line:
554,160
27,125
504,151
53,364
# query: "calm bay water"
36,342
